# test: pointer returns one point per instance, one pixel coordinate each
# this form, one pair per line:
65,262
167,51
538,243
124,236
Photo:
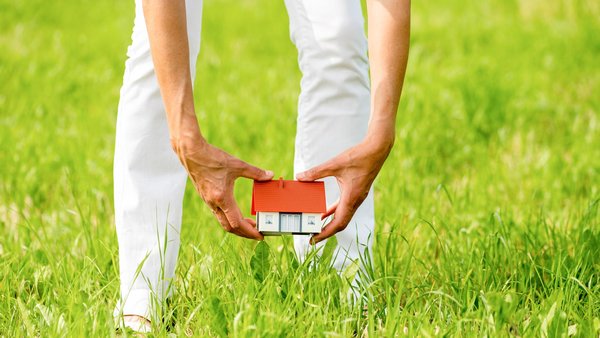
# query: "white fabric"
334,103
149,181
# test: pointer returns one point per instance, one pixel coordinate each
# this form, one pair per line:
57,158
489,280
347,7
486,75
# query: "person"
345,131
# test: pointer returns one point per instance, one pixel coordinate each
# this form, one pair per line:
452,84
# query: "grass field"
487,209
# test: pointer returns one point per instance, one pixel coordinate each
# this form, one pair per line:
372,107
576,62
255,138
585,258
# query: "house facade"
288,207
285,222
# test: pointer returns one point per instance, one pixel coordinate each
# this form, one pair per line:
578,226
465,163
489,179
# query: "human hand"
355,170
213,173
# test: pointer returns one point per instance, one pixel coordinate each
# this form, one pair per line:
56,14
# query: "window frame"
286,215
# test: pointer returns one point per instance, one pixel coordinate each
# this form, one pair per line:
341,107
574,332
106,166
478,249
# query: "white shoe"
137,324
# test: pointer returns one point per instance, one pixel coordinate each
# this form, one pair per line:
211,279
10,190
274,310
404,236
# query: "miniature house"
288,207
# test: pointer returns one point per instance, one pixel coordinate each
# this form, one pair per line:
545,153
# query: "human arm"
356,168
212,170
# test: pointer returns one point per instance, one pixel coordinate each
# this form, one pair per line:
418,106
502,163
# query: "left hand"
355,170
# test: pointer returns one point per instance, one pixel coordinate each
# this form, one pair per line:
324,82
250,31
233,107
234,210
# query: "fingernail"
268,173
300,176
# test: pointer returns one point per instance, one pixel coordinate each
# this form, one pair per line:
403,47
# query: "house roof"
288,196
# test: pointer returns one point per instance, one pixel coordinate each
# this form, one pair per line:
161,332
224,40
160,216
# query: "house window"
312,220
269,219
290,222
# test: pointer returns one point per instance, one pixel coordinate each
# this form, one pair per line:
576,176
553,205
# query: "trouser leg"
334,103
149,181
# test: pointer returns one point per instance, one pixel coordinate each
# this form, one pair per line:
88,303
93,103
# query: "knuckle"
358,198
217,198
250,167
235,162
338,227
364,195
361,197
237,166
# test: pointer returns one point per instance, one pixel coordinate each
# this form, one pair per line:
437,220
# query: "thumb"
254,173
324,170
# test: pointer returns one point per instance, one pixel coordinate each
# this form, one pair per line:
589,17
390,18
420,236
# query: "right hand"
213,173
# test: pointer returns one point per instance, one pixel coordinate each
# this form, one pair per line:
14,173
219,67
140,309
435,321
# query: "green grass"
487,209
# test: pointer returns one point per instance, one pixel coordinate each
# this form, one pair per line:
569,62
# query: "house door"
290,222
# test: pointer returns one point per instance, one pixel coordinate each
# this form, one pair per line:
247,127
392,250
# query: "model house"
288,207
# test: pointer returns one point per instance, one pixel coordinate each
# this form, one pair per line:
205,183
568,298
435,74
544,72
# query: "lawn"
488,217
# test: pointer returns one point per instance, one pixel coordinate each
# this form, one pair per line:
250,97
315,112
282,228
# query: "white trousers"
149,181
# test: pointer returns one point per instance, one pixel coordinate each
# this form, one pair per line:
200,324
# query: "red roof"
288,196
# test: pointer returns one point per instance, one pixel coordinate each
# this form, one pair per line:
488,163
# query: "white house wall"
311,228
262,221
263,226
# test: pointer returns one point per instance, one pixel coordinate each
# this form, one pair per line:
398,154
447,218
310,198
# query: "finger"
238,223
330,210
338,224
343,215
324,170
251,221
220,215
237,230
221,218
234,230
248,230
249,171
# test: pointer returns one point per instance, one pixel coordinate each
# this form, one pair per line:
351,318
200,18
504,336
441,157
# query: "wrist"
187,142
381,135
184,132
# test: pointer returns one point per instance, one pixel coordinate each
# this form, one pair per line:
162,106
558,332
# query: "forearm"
389,34
167,32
